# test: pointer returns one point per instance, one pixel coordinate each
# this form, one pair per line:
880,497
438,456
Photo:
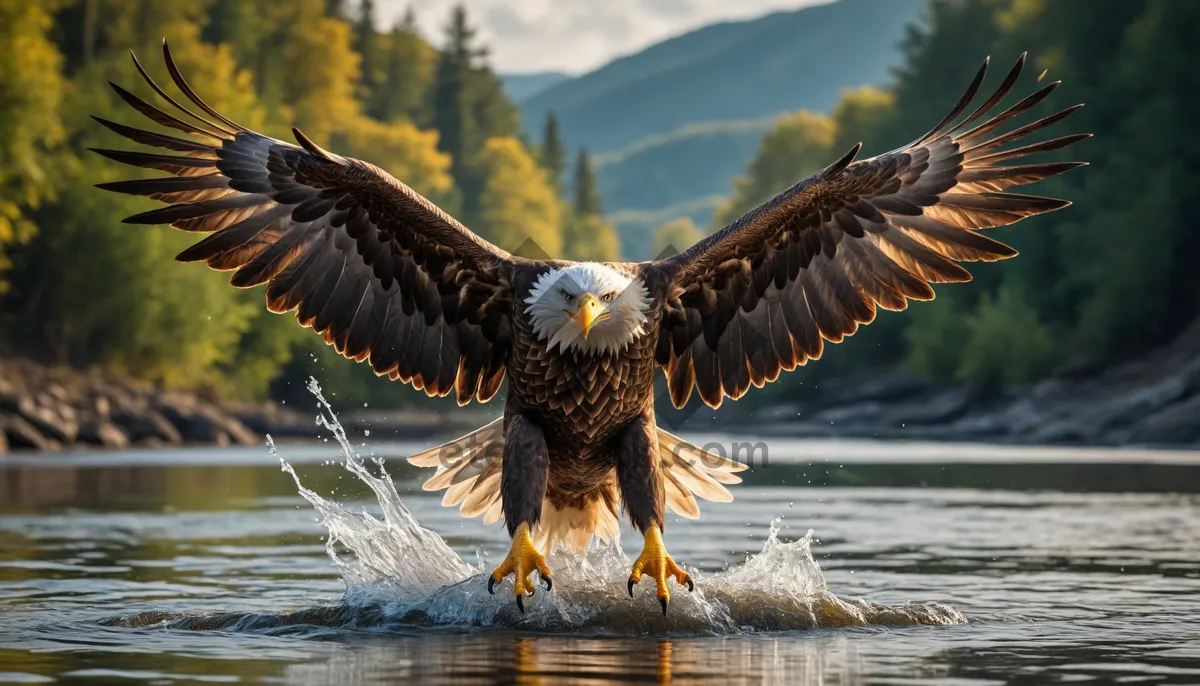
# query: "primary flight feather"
388,278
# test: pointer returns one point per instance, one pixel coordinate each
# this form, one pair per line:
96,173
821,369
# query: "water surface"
962,564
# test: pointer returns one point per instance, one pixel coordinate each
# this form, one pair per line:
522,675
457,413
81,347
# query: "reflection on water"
581,660
209,567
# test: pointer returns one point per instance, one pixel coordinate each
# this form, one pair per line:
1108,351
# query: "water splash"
399,574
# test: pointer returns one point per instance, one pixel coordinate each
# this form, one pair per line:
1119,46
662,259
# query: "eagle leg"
643,492
522,560
523,475
655,562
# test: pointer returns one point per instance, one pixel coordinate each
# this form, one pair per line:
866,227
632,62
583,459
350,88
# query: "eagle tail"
468,469
689,471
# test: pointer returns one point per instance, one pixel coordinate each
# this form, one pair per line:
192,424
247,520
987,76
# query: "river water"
838,563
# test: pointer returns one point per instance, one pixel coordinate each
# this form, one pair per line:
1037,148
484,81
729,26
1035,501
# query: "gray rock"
21,434
941,408
101,405
1061,432
857,414
103,433
277,421
51,418
1130,406
199,422
982,426
782,413
145,424
884,388
1177,424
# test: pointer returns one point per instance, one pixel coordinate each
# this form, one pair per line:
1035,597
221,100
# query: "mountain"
673,125
685,173
521,86
733,70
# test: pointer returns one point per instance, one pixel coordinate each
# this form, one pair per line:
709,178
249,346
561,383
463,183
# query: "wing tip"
309,145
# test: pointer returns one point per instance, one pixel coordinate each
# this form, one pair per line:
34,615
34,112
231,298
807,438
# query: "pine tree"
518,208
554,154
334,9
407,77
457,135
468,106
587,196
31,90
366,44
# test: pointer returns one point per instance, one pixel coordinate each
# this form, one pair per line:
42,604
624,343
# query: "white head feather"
624,302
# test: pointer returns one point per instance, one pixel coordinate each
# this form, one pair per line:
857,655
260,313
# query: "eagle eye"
568,297
608,297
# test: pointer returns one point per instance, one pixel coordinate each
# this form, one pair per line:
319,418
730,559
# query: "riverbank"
1152,401
48,409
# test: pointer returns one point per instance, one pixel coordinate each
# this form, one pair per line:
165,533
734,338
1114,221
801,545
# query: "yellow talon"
655,562
522,560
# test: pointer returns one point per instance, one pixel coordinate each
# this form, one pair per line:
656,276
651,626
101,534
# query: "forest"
1101,281
81,289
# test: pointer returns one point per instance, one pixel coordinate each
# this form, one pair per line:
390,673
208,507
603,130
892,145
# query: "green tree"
408,75
675,236
860,116
518,209
1006,341
796,146
335,9
468,107
322,74
366,44
406,152
553,153
31,89
239,24
583,186
589,237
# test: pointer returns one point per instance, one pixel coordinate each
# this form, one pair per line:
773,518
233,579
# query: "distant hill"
684,173
674,124
521,86
734,70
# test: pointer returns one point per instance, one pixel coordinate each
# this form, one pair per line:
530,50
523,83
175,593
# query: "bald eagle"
389,278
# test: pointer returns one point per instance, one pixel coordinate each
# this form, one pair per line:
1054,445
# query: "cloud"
576,35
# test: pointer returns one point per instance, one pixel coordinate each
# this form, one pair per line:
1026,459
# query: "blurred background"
620,129
606,133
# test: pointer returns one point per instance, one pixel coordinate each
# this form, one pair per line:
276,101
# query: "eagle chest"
581,398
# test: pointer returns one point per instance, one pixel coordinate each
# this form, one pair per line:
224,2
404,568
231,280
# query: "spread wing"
382,273
810,265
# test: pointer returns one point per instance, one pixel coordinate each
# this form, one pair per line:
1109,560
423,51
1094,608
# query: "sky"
575,36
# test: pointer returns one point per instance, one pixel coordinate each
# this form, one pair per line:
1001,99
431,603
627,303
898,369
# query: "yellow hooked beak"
590,311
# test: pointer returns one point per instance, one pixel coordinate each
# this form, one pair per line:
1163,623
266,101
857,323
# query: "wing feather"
817,261
371,265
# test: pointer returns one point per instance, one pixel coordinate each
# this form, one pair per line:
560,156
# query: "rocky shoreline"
1152,401
49,410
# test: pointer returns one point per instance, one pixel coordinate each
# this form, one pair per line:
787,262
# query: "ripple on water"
400,575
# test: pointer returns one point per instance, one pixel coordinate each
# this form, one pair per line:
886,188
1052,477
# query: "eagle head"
587,307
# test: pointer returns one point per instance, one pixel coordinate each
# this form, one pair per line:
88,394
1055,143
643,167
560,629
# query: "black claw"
631,583
492,585
663,602
691,586
521,604
549,583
